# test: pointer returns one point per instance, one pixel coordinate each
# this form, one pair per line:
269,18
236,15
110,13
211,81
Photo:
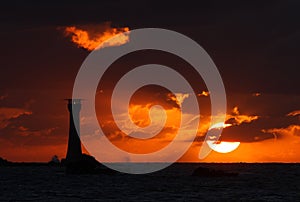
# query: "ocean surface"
269,182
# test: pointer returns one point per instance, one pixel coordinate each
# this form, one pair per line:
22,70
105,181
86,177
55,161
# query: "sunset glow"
220,125
44,48
222,146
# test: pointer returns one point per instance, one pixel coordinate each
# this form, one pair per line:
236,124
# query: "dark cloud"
262,128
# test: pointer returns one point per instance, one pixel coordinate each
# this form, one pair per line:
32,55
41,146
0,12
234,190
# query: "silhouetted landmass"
210,172
86,165
4,162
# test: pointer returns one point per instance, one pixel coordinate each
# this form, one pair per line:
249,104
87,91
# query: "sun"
222,146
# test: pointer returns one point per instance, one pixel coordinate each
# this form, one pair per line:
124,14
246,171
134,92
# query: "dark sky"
254,44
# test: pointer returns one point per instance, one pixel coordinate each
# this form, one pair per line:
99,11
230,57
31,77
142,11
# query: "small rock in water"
209,172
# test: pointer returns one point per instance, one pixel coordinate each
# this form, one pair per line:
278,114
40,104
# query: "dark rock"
209,172
4,162
86,165
54,161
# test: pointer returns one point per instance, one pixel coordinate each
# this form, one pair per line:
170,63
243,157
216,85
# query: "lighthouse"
74,152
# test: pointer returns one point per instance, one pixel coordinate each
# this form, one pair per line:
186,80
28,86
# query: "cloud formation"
95,36
256,94
24,131
179,99
290,130
9,113
204,93
2,97
294,113
235,118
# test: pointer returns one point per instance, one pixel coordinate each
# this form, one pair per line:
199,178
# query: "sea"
255,182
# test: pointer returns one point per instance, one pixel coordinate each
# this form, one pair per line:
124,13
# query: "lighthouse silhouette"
74,152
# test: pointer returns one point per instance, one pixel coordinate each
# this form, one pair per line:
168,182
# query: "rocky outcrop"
4,162
209,172
86,165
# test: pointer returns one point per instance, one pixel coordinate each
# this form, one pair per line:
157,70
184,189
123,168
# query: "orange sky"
34,117
271,144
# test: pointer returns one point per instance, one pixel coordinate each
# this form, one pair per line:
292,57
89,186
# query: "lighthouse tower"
74,152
